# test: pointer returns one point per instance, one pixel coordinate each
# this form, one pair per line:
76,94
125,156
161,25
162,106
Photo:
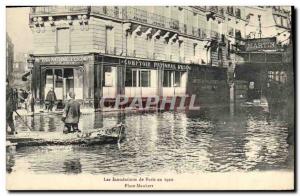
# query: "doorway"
64,80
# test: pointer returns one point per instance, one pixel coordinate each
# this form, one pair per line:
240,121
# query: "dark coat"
51,96
10,101
72,111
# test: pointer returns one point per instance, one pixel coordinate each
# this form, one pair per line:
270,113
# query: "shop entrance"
63,81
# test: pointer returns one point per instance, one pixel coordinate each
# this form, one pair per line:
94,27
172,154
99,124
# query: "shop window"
172,78
283,77
69,81
145,78
131,78
49,78
270,75
167,79
107,76
58,83
177,81
58,78
63,40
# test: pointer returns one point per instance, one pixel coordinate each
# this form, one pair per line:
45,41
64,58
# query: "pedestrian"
50,100
10,108
30,102
71,115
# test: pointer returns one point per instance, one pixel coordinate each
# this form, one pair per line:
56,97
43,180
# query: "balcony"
110,11
213,9
58,10
130,14
281,12
230,11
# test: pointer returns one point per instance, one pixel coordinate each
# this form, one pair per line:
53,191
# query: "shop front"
63,74
140,78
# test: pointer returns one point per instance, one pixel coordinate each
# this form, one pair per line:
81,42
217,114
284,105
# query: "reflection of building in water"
10,159
72,166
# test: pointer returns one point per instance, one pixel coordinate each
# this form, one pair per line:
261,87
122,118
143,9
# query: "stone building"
260,60
102,51
9,57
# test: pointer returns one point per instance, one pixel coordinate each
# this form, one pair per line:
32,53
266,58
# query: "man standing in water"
71,115
10,108
50,100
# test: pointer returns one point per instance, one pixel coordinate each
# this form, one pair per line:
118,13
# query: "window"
181,51
63,40
142,76
58,78
167,79
238,13
220,57
230,10
194,49
49,78
238,34
145,79
172,78
284,22
128,79
110,40
177,81
270,75
107,76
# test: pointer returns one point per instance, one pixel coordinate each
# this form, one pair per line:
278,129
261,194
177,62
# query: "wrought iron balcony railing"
58,9
131,13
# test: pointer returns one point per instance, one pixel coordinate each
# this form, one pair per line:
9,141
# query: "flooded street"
180,142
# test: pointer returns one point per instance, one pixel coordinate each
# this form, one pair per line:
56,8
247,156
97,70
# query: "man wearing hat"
71,115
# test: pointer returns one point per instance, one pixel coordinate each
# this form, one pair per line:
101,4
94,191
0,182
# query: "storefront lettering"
261,44
63,59
153,65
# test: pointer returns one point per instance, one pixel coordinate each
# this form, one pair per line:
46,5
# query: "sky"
17,20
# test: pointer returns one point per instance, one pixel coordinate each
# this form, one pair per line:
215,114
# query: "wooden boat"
108,135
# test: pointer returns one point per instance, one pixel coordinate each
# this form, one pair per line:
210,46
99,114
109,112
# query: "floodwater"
178,142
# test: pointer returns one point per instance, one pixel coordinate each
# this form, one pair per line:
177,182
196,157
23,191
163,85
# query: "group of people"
70,116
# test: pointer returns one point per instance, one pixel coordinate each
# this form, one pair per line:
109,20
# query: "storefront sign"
154,64
261,44
63,60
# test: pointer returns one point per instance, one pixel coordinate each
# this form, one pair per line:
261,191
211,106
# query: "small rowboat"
108,135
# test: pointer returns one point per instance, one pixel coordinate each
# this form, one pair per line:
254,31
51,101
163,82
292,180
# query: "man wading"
71,115
10,108
50,100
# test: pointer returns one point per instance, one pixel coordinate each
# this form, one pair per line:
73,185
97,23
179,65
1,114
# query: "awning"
25,75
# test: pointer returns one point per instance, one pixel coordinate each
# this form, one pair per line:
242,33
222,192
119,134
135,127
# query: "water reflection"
72,166
206,141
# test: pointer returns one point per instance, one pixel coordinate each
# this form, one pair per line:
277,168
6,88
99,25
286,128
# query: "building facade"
9,57
263,54
103,51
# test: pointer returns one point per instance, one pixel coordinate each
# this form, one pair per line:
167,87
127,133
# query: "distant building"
263,53
20,67
9,57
